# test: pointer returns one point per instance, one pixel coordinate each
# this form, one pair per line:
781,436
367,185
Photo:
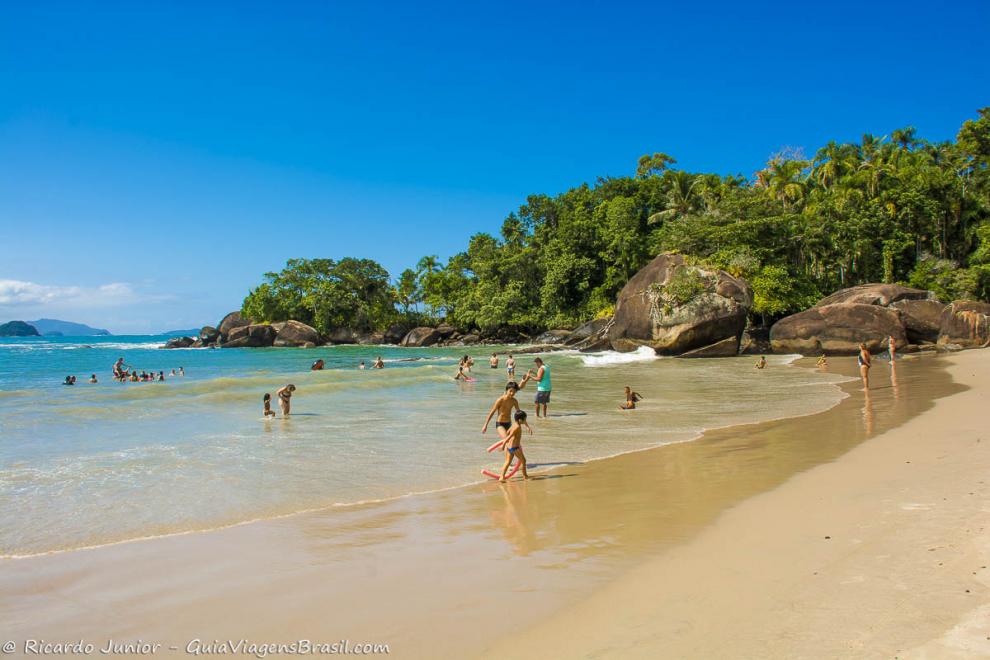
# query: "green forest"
892,208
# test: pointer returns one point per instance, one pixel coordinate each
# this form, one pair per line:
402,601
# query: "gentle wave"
609,358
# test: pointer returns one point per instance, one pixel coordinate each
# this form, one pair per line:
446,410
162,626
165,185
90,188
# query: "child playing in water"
513,445
504,406
268,405
631,399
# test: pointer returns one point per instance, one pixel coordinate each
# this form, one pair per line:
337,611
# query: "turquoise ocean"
102,463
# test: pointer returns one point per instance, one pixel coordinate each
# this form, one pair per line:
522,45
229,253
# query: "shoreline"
881,553
565,523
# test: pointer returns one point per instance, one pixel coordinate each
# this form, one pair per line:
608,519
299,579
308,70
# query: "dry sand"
711,548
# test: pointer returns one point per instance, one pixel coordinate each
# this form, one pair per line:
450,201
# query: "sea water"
101,463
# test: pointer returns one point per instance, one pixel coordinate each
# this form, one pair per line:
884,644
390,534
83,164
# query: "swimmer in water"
317,366
631,399
267,401
92,378
513,445
284,398
361,366
504,406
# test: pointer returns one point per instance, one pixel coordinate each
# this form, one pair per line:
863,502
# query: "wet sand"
649,545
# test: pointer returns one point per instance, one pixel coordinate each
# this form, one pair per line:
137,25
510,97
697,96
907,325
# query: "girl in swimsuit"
284,396
631,399
864,365
513,445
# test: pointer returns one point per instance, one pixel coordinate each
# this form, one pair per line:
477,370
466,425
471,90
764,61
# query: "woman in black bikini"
864,365
284,396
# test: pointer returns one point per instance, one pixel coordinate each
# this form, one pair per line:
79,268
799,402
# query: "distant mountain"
182,333
18,329
57,328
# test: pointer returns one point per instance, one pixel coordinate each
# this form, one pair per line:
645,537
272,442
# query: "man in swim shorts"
504,406
510,368
543,386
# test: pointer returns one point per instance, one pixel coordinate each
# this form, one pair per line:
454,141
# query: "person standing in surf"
513,445
891,348
543,386
510,368
504,406
285,398
493,361
865,362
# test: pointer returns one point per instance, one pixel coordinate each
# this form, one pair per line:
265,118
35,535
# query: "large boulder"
395,333
553,336
422,336
966,323
875,294
250,336
180,342
592,329
728,347
343,336
675,307
922,319
372,339
209,334
295,333
231,321
446,331
838,329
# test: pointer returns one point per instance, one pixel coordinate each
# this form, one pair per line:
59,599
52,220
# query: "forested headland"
894,208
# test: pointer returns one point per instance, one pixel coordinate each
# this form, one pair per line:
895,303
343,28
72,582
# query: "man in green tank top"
543,386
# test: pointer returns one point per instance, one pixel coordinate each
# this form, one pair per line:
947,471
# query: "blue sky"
157,158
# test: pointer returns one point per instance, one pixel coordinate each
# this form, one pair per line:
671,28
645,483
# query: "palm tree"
428,264
683,196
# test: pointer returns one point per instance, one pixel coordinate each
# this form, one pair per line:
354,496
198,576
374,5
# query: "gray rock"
875,294
728,347
965,323
250,336
423,336
922,318
294,333
838,330
231,321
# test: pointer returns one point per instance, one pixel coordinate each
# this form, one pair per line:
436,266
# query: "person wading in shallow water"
284,398
865,362
543,386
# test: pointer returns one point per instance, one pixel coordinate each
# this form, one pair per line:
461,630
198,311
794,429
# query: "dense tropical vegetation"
885,209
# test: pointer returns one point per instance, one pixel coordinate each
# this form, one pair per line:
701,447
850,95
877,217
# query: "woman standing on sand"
864,365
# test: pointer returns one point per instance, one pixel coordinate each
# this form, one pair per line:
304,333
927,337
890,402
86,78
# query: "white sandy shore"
882,553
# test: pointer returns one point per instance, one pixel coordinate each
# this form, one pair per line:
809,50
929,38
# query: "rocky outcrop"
728,347
209,335
180,342
875,294
838,329
675,307
372,339
553,336
295,334
18,329
343,336
755,341
422,336
395,333
250,336
922,319
231,321
965,323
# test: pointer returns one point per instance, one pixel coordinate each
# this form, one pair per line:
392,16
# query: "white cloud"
19,294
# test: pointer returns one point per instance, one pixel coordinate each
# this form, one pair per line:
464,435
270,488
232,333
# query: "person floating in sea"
69,380
504,406
267,401
493,361
92,378
543,386
379,363
284,398
761,363
513,445
361,366
317,366
182,372
865,362
631,399
510,368
891,348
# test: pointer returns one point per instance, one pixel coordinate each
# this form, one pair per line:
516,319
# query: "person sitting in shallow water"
69,380
92,378
631,399
379,363
823,361
762,362
361,366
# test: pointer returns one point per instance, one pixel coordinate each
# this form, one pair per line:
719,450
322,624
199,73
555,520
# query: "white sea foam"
610,358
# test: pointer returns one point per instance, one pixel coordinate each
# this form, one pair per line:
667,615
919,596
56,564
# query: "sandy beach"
857,532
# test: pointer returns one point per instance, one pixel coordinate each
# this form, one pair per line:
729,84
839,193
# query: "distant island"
56,328
181,333
18,329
